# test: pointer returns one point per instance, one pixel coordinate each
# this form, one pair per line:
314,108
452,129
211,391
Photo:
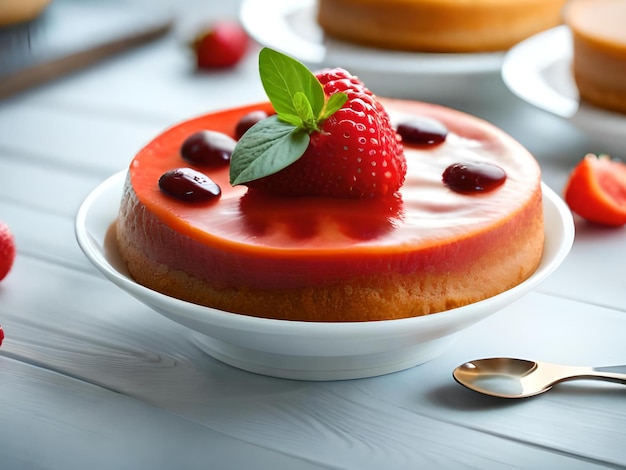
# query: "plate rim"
534,71
521,73
111,188
522,65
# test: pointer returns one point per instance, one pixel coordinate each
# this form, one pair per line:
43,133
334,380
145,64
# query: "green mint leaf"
268,147
301,106
334,103
283,77
305,112
292,119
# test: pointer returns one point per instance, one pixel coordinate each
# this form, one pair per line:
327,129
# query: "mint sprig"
301,107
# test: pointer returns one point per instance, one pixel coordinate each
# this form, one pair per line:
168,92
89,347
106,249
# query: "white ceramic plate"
310,350
290,26
538,70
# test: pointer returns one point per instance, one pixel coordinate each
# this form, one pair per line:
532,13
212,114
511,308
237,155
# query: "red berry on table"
222,44
330,137
1,335
7,250
596,190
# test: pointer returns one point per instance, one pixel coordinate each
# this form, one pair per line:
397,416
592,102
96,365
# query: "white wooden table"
91,378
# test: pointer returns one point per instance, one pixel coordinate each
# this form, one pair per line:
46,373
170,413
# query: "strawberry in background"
220,45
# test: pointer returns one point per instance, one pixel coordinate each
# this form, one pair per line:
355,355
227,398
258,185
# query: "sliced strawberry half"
596,190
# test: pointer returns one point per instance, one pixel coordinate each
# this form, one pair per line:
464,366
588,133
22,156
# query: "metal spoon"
518,378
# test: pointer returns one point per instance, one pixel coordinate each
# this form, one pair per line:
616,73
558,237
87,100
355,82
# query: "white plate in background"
290,26
538,70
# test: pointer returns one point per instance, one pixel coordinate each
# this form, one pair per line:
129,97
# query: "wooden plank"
54,422
61,140
421,416
54,244
29,187
588,273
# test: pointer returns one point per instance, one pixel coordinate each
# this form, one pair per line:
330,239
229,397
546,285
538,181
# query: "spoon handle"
611,369
611,373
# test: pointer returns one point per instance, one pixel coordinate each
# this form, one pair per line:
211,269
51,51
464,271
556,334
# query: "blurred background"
70,35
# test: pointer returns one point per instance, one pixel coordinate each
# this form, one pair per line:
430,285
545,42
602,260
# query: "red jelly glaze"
336,239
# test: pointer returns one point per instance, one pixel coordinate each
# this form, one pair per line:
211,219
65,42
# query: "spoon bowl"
520,378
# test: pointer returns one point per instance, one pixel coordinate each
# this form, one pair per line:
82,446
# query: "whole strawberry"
330,137
223,44
7,250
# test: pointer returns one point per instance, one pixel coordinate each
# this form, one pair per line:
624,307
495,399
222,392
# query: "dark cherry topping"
422,131
189,185
208,148
248,121
473,177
